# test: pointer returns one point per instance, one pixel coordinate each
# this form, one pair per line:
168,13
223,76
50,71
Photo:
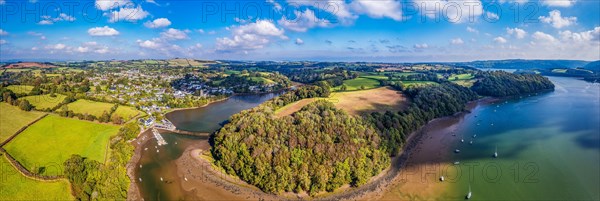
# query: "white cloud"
2,42
158,23
150,44
92,46
492,16
337,8
457,41
250,36
303,21
541,36
174,34
378,9
48,20
58,46
276,5
421,46
585,36
518,33
3,33
472,30
105,5
456,11
152,2
131,14
558,3
299,41
500,39
557,21
2,2
102,31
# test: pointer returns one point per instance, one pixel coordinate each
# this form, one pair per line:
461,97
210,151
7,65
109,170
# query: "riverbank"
134,192
204,182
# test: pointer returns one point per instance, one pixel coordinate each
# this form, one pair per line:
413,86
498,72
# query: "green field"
126,112
416,83
559,70
90,107
20,89
261,79
376,77
12,119
15,186
355,84
466,76
42,102
52,140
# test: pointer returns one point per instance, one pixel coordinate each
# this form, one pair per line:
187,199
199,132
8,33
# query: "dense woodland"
93,180
500,83
302,152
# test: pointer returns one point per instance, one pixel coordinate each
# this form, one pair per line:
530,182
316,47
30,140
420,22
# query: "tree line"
500,83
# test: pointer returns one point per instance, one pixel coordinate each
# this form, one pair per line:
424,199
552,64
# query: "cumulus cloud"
250,36
276,5
458,11
299,41
457,41
518,33
158,23
303,21
339,9
92,46
421,46
102,31
492,16
2,42
585,36
500,39
378,9
556,20
131,14
58,46
174,34
3,33
472,30
105,5
48,20
544,37
558,3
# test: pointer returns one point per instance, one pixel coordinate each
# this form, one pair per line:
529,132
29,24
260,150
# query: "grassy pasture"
355,84
20,89
90,107
12,119
466,76
412,83
15,186
42,102
261,79
126,112
53,139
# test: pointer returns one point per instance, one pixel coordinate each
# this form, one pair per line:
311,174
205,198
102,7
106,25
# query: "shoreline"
221,185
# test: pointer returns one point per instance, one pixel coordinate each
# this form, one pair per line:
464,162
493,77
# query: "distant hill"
526,64
593,66
29,65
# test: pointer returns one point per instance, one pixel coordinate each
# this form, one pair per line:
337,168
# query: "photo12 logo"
473,173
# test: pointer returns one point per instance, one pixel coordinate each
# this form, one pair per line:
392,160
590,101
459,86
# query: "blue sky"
327,30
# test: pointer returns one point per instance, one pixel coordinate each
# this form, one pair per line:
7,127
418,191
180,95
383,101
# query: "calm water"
548,147
157,165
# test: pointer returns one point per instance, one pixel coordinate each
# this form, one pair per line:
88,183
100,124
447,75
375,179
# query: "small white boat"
140,179
442,178
471,142
185,178
456,162
157,151
462,140
469,194
140,166
146,149
496,152
161,179
456,151
474,136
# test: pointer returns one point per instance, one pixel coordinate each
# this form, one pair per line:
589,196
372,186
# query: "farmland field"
42,102
12,119
411,83
61,138
15,186
20,89
355,84
126,112
261,79
466,76
90,107
355,102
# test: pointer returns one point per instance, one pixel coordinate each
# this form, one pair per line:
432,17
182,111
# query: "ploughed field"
44,146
